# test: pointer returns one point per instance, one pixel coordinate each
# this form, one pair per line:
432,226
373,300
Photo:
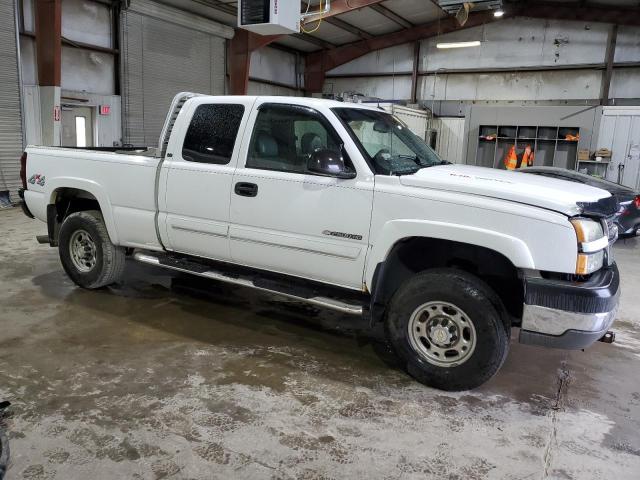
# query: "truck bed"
123,180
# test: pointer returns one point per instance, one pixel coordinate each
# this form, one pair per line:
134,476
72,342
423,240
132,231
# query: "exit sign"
105,109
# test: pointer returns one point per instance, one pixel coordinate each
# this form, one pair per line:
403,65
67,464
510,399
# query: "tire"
106,264
433,302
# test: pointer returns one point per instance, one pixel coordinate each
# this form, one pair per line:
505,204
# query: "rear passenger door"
199,166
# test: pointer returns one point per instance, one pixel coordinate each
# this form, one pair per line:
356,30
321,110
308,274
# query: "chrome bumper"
570,315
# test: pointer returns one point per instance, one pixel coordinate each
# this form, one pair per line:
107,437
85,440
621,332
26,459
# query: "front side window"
285,136
391,147
212,133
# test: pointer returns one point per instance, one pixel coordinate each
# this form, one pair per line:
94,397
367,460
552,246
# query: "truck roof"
308,101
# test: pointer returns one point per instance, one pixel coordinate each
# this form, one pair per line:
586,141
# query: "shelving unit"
549,144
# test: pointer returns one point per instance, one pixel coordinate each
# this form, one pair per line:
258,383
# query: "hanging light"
498,13
474,43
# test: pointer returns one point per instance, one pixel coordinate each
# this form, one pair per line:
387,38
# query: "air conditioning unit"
269,17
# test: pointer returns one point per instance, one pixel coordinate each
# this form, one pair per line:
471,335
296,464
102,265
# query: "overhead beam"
391,15
318,63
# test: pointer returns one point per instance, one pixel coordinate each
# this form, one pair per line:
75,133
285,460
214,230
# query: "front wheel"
446,327
86,251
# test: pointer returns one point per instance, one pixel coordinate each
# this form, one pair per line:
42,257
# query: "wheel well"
64,202
415,254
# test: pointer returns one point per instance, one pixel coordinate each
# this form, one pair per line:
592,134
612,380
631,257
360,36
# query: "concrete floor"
169,377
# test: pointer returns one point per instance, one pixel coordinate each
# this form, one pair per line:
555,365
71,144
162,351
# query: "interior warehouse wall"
519,59
10,111
88,77
165,51
275,72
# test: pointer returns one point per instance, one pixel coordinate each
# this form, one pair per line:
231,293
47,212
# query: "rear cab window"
212,133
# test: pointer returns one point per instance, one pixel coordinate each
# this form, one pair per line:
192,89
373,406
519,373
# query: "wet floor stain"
172,377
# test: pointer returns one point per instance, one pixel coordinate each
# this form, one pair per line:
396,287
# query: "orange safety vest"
511,159
527,157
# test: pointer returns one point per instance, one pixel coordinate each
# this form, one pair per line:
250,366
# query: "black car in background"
628,217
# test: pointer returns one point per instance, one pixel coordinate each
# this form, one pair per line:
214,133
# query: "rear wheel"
446,327
86,251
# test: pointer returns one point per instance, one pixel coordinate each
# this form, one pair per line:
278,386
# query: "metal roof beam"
382,10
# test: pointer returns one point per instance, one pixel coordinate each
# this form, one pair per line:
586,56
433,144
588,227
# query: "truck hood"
558,195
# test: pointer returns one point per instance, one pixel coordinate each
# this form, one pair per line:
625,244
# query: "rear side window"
212,133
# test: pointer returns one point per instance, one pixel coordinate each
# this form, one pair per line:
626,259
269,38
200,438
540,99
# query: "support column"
609,57
414,73
48,17
314,72
241,46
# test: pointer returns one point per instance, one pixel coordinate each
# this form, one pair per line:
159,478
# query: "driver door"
288,220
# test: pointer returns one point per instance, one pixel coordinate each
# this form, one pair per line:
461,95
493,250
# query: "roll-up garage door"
10,111
165,51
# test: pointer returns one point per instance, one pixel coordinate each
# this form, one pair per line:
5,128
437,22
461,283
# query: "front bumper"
570,315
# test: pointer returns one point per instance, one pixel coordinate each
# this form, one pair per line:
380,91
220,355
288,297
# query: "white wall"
82,70
87,22
275,66
107,128
563,55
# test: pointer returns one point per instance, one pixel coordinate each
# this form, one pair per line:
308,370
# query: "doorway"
77,126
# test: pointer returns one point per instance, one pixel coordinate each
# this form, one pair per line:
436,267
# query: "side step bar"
203,271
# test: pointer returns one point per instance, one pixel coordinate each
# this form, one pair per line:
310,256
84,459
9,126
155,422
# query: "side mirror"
329,163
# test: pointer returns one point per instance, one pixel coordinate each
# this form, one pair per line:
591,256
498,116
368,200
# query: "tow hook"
608,337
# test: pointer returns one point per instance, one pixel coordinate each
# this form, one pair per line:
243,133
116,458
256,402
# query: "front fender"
395,230
94,189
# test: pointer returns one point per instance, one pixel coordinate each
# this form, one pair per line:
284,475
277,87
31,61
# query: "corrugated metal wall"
620,133
450,138
161,56
10,111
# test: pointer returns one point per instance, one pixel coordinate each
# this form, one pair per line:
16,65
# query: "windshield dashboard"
388,144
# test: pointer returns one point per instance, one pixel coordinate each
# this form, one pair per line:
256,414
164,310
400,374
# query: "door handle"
245,189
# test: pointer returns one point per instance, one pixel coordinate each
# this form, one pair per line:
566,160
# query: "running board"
202,270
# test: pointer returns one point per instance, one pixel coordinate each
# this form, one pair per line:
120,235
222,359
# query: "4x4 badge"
37,178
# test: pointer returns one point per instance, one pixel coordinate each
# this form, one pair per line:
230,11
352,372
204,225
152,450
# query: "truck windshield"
392,148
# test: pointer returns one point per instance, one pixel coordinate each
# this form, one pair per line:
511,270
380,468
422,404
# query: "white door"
620,133
287,220
198,172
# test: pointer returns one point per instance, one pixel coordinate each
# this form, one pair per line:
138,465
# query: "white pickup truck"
339,205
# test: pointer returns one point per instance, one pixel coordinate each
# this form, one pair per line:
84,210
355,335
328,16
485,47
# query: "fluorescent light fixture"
475,43
498,13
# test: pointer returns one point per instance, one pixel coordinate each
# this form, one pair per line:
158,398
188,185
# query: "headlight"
591,244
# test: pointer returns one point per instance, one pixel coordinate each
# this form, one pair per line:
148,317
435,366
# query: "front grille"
254,12
611,231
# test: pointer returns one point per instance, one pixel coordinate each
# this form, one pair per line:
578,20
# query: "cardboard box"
583,154
603,152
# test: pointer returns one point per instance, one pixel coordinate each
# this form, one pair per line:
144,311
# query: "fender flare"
94,189
394,231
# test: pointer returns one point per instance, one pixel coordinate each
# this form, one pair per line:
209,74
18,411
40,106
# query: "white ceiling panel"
297,43
332,34
415,11
370,21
